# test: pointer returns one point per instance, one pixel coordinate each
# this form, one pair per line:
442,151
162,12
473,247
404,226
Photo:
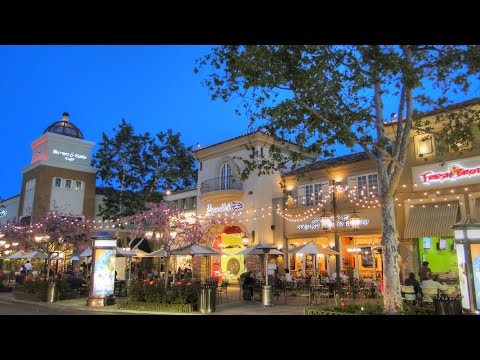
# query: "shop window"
367,186
424,146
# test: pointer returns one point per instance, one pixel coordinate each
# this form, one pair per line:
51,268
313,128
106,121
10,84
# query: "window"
367,186
30,184
58,182
78,185
225,176
68,184
313,194
423,145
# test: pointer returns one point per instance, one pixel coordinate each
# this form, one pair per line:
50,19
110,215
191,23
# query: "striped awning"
431,220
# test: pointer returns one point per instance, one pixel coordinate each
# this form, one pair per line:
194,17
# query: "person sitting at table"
430,283
343,277
288,276
411,281
259,275
248,285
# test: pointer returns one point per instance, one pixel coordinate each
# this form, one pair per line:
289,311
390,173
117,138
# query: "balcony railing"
220,184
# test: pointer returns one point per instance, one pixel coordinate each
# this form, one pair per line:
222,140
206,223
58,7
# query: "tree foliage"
320,96
170,228
137,169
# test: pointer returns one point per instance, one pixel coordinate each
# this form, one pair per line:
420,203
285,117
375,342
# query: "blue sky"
152,87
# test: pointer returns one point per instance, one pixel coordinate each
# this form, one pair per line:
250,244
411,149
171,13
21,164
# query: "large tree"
137,169
321,96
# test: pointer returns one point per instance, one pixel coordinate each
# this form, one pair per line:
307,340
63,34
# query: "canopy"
259,250
36,255
18,255
120,251
157,253
313,248
195,249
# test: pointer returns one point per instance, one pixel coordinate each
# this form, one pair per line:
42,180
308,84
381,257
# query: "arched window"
225,176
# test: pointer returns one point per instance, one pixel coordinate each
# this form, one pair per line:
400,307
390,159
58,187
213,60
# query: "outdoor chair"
408,294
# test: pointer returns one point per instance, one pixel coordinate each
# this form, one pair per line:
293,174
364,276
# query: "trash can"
52,292
445,305
207,298
267,295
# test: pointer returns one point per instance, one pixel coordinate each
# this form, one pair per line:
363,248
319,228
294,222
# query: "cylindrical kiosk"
103,270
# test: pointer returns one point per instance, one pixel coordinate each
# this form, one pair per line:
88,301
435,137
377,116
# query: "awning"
431,220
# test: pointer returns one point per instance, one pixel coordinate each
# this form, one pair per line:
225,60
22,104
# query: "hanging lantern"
355,220
326,220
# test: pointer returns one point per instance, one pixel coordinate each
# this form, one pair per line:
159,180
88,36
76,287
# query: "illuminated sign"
342,221
225,207
3,213
455,172
69,156
104,272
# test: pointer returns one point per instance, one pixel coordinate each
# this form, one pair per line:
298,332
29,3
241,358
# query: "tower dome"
65,127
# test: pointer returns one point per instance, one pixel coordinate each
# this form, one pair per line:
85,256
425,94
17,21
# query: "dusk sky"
152,87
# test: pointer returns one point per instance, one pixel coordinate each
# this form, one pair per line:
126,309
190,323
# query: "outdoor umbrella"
157,253
195,249
36,255
18,255
313,249
86,253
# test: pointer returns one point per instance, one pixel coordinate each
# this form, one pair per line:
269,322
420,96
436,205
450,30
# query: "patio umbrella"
195,249
157,253
36,255
86,253
18,255
313,248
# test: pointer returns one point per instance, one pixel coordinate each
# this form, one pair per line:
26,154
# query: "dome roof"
65,127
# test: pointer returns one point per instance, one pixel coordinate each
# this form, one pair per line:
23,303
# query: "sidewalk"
233,306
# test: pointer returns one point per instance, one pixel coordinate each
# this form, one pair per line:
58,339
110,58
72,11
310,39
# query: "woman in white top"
288,276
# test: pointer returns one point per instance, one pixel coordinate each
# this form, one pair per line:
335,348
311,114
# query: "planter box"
144,306
20,295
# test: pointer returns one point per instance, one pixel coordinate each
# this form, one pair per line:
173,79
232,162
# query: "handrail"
221,184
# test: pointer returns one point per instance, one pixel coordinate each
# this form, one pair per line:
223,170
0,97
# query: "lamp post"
467,245
327,223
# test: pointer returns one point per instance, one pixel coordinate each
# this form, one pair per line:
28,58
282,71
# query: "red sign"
454,173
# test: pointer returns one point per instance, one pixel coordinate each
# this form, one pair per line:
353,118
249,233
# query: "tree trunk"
391,296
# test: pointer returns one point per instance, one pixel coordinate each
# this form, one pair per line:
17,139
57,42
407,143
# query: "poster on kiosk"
104,275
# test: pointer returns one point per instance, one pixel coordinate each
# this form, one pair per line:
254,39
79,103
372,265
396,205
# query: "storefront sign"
225,207
447,173
453,174
69,156
342,221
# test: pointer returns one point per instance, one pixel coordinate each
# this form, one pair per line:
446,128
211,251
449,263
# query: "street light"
327,224
467,245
